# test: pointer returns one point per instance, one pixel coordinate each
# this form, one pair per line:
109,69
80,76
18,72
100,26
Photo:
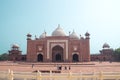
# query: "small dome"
43,35
106,45
87,34
15,46
58,32
29,35
74,35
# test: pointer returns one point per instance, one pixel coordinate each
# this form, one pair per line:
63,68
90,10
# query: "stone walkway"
74,67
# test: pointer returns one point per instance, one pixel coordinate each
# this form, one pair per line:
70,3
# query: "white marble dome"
74,35
43,35
58,32
15,45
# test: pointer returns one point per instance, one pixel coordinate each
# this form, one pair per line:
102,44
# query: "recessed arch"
57,54
40,58
75,58
58,57
23,58
104,58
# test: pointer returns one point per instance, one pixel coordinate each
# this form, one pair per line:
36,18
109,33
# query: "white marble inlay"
75,53
57,42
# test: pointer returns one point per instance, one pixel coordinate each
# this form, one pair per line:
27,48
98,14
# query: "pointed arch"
40,58
104,58
75,57
57,54
58,57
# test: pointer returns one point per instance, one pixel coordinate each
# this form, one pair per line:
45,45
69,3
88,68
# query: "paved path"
74,67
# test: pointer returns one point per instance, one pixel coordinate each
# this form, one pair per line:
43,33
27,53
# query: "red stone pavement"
74,67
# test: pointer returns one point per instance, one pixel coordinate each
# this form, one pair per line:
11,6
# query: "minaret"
87,38
29,36
28,41
87,35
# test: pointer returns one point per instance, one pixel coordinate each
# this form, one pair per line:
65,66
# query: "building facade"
58,47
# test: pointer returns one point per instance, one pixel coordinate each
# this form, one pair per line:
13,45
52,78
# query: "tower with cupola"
15,53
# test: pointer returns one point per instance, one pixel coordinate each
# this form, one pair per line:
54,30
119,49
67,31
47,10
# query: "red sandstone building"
15,54
58,47
106,54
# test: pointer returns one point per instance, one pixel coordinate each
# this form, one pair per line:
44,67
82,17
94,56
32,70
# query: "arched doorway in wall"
58,57
97,59
75,58
57,54
104,58
40,58
23,58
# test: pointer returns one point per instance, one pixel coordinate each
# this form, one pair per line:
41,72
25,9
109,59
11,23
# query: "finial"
80,35
73,30
58,25
69,32
35,37
44,31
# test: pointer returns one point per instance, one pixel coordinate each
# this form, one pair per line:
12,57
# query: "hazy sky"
101,18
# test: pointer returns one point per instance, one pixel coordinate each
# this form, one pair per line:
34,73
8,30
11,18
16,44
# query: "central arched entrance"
57,54
58,57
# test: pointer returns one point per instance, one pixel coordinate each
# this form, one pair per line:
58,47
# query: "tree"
3,57
117,54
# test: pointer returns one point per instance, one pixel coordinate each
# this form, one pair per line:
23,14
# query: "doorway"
75,58
40,58
57,54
